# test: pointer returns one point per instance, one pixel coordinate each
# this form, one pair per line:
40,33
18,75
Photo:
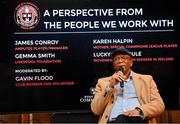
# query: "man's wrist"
140,112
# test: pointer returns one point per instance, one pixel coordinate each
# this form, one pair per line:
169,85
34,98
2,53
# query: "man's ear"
131,64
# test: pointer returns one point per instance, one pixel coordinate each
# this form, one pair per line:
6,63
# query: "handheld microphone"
122,70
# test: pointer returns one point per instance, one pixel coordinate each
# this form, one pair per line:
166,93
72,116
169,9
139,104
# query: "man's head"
123,51
122,57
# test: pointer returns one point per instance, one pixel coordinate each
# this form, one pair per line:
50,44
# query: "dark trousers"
127,119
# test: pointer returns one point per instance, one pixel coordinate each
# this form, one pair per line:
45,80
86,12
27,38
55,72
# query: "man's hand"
117,77
133,112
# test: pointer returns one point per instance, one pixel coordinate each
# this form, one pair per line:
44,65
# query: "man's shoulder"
104,81
142,75
105,78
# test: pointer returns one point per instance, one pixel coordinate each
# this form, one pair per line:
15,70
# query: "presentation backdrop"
53,51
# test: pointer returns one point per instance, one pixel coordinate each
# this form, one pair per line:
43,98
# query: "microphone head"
120,69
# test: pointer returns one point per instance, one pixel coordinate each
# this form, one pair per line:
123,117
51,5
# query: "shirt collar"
129,78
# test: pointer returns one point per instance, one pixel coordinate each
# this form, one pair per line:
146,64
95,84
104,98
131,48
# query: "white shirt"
126,98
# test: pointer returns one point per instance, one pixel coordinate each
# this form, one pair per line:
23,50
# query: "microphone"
122,70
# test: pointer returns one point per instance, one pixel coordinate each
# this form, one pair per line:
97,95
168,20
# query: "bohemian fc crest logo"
27,15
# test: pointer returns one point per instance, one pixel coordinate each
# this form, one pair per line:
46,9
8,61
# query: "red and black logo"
27,15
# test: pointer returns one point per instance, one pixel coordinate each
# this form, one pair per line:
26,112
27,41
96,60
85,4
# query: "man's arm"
102,96
155,106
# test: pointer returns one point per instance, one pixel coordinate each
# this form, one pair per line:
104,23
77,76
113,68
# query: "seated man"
126,96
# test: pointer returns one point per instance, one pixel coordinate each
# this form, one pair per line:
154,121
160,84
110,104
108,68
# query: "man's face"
121,60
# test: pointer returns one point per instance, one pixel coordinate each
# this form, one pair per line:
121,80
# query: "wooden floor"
170,116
